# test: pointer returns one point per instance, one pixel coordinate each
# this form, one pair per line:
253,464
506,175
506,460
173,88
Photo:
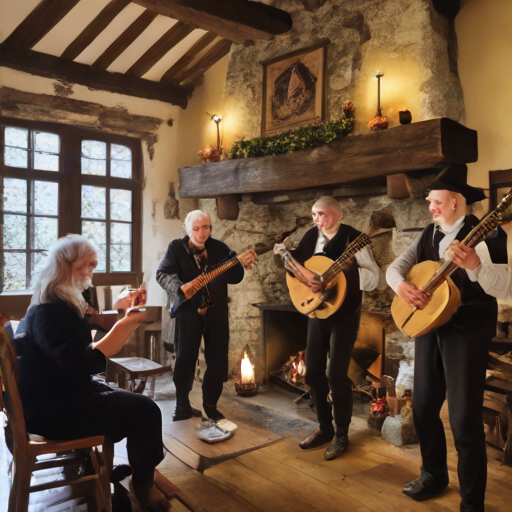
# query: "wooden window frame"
70,181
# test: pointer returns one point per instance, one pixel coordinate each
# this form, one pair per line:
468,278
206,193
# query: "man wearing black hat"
451,360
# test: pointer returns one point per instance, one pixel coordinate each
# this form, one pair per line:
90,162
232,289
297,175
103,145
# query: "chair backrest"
12,401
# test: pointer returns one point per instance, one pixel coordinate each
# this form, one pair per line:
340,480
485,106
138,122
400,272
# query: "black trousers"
453,360
115,414
190,328
334,337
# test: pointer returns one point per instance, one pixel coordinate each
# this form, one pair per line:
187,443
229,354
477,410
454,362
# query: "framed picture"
294,89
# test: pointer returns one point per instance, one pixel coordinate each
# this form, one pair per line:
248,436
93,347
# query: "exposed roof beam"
49,66
170,39
188,57
39,22
94,29
237,20
125,39
448,8
205,62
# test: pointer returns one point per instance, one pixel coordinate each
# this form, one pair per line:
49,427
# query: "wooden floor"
368,477
282,478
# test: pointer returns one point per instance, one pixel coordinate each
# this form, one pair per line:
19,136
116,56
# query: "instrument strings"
361,241
204,279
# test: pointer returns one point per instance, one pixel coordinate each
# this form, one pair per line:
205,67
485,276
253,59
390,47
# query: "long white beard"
82,284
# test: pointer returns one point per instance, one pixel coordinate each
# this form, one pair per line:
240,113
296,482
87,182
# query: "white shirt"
494,278
370,275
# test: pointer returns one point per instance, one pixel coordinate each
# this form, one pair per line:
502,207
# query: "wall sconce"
379,122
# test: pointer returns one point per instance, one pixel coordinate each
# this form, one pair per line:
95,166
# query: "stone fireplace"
416,46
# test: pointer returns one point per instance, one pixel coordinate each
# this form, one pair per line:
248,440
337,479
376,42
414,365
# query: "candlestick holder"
379,122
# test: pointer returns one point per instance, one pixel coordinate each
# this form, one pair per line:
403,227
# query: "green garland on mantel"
305,137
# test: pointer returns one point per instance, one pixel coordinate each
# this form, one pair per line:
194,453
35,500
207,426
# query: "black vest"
333,250
476,306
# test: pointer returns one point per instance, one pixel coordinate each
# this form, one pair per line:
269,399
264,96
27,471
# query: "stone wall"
416,48
260,225
407,39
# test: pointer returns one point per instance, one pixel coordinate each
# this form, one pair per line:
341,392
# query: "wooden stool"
137,368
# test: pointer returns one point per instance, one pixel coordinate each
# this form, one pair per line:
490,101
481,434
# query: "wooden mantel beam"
423,145
237,20
48,66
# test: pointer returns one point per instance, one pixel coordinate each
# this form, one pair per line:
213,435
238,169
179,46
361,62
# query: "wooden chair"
27,449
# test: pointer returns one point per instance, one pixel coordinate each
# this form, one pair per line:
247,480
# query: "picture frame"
294,89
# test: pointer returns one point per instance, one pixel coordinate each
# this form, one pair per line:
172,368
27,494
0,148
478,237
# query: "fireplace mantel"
422,145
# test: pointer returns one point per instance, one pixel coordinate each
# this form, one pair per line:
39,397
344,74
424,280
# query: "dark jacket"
55,359
178,267
333,250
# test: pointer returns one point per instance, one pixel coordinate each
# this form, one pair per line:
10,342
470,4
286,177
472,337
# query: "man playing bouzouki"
333,337
200,311
452,359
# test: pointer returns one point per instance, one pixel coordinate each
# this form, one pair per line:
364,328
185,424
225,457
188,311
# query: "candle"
247,370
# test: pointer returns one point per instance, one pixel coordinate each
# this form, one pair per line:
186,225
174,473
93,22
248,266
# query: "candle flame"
247,370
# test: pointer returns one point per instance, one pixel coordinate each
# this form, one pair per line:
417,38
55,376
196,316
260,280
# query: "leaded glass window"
57,180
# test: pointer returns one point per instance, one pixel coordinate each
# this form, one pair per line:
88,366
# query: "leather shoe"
338,445
424,487
316,439
184,413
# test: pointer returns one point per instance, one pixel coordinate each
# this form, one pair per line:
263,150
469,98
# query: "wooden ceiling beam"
205,62
125,39
168,41
188,57
94,29
48,66
39,22
238,20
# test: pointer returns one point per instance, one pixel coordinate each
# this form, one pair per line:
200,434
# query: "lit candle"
247,370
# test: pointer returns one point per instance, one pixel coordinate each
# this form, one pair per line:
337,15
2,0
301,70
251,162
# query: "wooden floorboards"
181,439
368,477
282,478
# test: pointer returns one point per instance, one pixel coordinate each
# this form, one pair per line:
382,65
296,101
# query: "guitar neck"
341,263
210,276
477,234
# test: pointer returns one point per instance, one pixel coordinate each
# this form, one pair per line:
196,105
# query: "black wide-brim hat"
455,178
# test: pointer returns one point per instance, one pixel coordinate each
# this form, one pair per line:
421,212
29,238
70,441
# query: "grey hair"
192,217
329,202
56,282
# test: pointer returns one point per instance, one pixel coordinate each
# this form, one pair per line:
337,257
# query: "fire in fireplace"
296,373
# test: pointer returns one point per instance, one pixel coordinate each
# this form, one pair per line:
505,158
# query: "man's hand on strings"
465,257
412,295
191,288
248,258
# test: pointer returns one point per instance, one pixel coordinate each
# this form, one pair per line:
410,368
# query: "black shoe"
184,413
338,445
316,439
212,413
424,487
120,472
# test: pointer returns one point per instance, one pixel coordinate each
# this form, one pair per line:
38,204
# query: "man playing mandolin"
452,359
200,311
333,337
